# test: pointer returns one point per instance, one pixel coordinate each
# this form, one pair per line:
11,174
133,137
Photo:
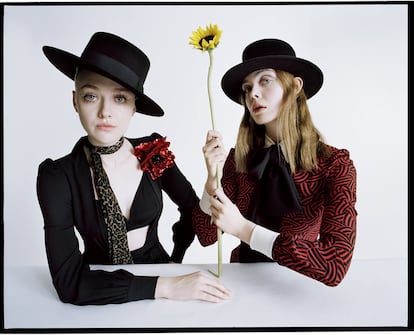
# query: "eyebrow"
118,89
88,86
257,73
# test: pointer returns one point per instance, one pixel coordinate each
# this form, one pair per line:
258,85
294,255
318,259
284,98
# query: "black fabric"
113,57
275,54
66,197
248,255
276,193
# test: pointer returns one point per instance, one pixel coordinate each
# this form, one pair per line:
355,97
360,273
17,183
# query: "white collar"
268,142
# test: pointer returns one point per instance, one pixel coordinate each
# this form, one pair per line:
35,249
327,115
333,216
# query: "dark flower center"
156,159
207,38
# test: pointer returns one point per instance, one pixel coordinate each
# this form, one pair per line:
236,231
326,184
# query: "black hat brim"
312,76
68,63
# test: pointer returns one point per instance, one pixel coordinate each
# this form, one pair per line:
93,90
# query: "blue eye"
266,80
120,99
89,97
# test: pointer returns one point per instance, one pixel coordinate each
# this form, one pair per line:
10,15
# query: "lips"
105,126
256,108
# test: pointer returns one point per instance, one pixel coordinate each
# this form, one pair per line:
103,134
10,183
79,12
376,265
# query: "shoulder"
153,154
338,163
337,156
231,155
230,164
58,166
51,178
145,139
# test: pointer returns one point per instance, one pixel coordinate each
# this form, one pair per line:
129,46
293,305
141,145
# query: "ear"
298,84
74,101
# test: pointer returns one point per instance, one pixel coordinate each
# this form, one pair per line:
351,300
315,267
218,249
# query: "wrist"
246,231
210,186
161,289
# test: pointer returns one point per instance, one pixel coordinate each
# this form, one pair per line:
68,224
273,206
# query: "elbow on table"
331,276
67,298
332,283
334,278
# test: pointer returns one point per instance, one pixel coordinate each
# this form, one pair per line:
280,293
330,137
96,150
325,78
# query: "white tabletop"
373,294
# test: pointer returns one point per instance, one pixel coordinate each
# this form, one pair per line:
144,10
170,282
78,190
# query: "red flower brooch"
155,157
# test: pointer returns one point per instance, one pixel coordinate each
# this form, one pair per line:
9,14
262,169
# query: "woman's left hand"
228,218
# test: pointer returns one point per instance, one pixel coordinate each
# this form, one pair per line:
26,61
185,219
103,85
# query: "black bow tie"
276,192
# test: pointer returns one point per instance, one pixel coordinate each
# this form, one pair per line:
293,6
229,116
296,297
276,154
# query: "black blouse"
67,200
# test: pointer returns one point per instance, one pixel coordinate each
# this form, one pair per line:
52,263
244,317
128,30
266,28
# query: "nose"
104,111
254,92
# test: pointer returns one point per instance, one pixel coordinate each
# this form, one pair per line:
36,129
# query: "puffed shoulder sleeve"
72,277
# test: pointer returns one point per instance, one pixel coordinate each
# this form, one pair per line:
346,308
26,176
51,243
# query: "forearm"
263,238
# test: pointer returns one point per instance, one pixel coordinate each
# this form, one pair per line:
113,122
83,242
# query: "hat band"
115,68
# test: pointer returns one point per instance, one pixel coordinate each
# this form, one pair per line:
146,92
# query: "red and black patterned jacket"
318,241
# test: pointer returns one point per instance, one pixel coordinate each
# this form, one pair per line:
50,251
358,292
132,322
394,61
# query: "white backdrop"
362,106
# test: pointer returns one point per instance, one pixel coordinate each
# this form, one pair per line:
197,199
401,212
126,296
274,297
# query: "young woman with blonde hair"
286,194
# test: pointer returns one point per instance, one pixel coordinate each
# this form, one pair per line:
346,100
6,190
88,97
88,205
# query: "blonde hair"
302,141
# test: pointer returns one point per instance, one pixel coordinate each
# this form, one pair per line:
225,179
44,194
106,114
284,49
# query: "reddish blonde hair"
302,141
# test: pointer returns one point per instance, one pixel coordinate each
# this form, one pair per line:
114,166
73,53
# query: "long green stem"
210,99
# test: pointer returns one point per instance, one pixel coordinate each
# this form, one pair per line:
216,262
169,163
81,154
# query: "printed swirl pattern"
318,242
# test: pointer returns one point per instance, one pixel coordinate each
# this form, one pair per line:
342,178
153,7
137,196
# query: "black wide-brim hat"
112,57
275,54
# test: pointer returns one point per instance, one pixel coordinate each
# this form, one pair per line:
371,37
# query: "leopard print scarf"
115,222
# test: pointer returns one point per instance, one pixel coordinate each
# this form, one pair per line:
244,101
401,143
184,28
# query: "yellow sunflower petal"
206,39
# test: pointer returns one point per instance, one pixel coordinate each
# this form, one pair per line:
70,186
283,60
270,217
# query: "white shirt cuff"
262,240
205,203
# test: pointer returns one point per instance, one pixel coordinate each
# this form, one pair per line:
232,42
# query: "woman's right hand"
214,155
194,286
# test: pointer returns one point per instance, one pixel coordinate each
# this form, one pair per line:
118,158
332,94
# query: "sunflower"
206,39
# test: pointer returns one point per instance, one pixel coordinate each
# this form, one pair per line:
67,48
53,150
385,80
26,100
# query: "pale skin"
105,110
263,95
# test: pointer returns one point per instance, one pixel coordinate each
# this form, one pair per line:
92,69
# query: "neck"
114,160
272,136
106,150
273,131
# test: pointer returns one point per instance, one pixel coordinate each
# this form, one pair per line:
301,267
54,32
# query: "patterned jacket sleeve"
328,258
319,242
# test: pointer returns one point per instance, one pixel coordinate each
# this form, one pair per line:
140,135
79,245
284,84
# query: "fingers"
214,154
214,141
213,134
211,289
194,286
219,197
218,202
214,146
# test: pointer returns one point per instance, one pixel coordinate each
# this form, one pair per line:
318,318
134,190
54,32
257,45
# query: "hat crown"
119,50
267,47
113,57
275,54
